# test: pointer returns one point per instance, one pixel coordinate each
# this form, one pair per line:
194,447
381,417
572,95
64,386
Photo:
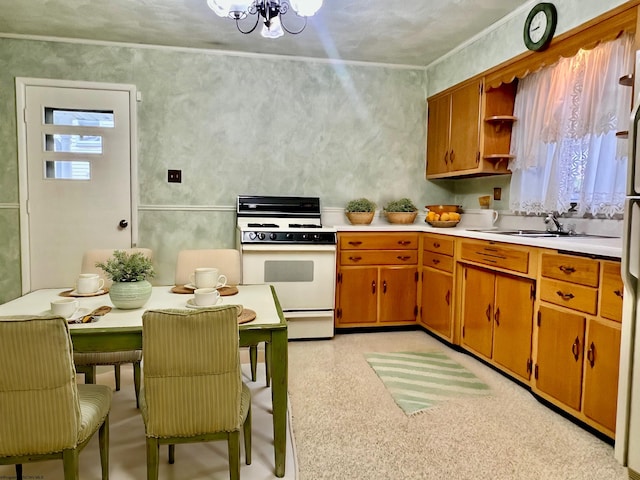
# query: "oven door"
303,275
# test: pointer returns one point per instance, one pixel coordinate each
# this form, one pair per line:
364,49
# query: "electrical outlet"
497,193
174,176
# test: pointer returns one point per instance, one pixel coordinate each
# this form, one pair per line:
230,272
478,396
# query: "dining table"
121,330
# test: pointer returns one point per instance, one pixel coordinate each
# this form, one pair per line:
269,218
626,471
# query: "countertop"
604,247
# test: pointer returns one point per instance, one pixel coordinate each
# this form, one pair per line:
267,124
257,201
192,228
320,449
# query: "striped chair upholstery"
86,362
227,261
193,390
43,413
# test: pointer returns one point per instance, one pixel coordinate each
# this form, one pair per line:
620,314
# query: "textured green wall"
233,125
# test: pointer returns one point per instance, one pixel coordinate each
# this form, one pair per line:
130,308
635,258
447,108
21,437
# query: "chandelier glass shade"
269,11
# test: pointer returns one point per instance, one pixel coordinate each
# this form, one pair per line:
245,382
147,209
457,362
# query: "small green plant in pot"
401,211
129,272
360,211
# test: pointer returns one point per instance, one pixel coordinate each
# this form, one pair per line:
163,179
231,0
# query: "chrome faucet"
551,218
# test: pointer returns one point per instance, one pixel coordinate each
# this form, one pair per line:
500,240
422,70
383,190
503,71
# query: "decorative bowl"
401,217
360,218
445,224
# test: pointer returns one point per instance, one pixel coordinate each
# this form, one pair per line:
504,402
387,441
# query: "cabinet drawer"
570,295
438,244
496,255
583,271
367,257
436,260
379,241
612,290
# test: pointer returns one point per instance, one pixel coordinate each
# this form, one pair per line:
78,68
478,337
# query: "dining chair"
44,414
193,389
227,261
86,362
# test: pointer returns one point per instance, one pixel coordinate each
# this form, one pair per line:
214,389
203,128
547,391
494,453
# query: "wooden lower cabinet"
377,279
437,301
602,359
497,319
558,369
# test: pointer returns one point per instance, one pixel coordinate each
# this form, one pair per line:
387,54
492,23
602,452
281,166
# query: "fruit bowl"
443,224
440,209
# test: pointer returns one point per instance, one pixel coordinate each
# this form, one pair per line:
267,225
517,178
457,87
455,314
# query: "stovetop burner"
304,225
263,225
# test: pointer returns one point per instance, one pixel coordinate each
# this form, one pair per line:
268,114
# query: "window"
564,142
87,141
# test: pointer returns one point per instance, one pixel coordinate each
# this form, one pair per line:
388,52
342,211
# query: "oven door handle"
276,247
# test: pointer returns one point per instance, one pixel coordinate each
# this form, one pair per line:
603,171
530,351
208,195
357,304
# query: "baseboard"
633,475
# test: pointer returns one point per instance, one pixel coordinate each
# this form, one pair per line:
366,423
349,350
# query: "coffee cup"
207,277
89,283
204,297
64,307
489,217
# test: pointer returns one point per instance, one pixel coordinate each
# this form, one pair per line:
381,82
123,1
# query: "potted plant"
360,211
401,211
129,272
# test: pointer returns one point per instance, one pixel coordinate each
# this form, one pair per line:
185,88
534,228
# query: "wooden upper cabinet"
457,127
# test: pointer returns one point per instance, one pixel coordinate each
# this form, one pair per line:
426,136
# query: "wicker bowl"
445,224
401,217
360,218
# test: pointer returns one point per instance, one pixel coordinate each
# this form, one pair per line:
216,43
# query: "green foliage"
402,205
361,205
125,267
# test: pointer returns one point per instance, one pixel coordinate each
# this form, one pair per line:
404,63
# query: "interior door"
78,169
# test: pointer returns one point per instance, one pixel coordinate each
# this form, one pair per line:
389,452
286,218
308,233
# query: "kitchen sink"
540,234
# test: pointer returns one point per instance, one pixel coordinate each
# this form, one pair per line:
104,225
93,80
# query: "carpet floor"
347,426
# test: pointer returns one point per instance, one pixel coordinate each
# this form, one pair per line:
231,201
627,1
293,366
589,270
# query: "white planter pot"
130,295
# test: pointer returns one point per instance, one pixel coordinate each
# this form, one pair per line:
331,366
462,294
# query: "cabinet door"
358,295
465,128
477,313
513,318
398,294
438,125
601,373
560,355
437,291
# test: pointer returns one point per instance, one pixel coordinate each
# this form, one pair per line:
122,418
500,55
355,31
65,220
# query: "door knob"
123,224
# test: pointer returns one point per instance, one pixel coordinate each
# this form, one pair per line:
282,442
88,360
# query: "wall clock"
540,26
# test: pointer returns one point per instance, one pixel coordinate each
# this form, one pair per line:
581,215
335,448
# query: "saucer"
75,293
192,304
191,286
78,314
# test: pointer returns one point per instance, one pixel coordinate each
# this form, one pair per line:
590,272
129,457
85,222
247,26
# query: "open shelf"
498,121
497,158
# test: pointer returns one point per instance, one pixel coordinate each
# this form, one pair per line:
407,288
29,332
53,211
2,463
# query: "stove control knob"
260,235
305,236
252,235
273,236
289,236
316,236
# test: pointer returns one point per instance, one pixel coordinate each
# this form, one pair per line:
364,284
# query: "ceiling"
401,32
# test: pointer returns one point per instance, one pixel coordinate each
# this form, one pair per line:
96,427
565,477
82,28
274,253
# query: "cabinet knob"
488,312
447,297
404,243
618,293
496,316
591,354
436,245
355,243
373,287
404,258
435,261
355,259
384,286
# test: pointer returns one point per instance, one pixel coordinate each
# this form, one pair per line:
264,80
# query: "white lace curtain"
564,140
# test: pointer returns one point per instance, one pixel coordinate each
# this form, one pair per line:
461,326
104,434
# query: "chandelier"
269,11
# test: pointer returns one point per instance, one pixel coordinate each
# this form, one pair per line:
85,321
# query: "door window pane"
56,142
78,118
67,170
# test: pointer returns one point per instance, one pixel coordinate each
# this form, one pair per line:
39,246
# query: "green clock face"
540,26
